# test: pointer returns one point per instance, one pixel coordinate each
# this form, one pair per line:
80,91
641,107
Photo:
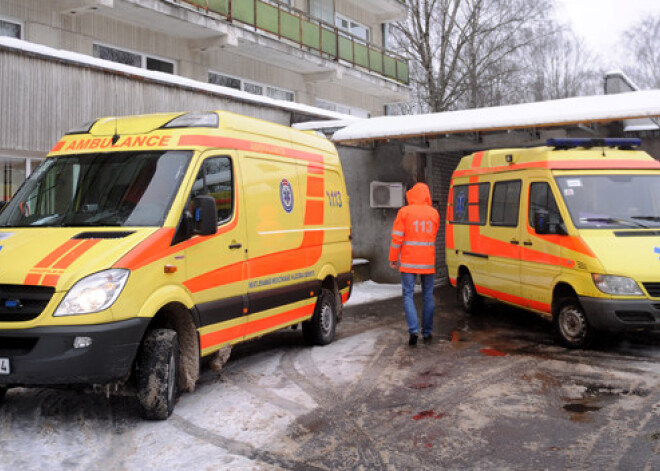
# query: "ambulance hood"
631,253
419,194
60,257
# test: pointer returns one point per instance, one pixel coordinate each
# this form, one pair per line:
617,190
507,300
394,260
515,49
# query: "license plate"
4,366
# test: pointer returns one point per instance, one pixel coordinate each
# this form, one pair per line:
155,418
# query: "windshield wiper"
647,218
615,221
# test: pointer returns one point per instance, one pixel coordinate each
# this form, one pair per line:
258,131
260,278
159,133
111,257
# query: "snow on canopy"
589,109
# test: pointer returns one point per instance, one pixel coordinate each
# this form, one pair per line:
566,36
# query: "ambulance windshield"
612,201
104,189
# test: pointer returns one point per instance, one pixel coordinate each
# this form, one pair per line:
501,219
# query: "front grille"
16,346
19,303
634,316
653,289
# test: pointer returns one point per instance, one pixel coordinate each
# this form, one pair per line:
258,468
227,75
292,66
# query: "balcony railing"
306,31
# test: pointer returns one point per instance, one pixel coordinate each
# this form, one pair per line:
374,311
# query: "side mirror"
541,222
205,216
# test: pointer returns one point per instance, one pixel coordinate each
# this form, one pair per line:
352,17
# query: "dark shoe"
427,339
412,341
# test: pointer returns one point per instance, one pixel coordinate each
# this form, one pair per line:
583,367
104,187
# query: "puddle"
580,408
428,414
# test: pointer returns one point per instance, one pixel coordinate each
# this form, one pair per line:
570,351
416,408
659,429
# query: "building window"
224,80
353,27
10,28
324,10
350,110
135,59
251,87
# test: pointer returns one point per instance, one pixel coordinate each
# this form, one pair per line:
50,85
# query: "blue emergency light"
587,142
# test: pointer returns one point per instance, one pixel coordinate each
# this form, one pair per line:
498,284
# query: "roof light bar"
207,119
570,143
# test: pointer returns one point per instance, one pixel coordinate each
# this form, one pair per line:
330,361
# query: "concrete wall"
42,98
372,227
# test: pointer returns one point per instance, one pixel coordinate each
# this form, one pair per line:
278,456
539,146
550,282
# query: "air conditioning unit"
386,195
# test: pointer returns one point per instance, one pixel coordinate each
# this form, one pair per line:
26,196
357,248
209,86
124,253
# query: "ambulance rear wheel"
320,329
157,371
467,294
3,391
571,324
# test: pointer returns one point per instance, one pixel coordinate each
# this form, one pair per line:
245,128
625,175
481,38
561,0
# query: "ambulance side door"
216,264
541,253
501,240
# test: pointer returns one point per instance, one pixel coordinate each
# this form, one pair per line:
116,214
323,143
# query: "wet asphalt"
491,391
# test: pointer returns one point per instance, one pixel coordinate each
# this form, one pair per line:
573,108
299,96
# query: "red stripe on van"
58,253
509,298
237,332
241,144
75,254
314,212
315,185
567,165
222,276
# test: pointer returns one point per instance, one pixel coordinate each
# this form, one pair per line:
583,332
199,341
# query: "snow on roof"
598,108
163,77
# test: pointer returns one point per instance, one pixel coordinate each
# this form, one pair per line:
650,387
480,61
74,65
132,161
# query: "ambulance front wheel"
571,324
320,329
157,370
467,294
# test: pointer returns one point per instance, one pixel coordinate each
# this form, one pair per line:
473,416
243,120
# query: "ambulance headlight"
93,293
617,285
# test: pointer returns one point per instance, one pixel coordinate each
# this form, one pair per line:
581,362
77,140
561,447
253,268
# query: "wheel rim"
171,379
572,324
326,319
466,293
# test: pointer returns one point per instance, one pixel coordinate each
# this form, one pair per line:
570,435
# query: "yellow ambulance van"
144,243
570,230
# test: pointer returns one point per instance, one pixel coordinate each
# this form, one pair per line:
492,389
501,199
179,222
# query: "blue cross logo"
460,204
657,250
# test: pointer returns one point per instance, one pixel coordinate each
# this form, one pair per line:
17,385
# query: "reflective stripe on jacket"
414,232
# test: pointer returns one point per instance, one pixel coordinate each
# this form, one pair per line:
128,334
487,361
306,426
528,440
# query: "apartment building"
325,53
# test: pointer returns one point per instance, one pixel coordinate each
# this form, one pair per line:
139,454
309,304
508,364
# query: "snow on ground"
370,291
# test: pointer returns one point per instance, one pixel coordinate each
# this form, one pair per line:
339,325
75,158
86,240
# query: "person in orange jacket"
413,252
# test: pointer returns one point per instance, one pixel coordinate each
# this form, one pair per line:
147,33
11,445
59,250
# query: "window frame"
266,88
351,25
202,166
13,21
505,222
481,222
143,57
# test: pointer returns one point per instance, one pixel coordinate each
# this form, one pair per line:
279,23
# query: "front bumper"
45,356
616,315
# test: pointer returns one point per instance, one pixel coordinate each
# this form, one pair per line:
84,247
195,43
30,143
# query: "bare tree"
462,50
559,66
642,50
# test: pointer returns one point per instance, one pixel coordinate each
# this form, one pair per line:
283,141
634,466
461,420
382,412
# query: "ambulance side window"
470,204
506,203
542,199
215,178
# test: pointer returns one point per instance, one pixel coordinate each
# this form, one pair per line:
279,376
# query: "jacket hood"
419,194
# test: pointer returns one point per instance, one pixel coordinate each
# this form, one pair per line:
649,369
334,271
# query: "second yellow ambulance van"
144,243
570,230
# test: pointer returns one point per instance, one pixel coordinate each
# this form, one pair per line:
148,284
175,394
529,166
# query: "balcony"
326,40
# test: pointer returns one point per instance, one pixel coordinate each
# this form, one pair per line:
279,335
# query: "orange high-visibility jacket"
414,231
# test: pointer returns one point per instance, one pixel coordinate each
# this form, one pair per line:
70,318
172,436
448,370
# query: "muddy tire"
467,295
156,374
320,329
571,324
